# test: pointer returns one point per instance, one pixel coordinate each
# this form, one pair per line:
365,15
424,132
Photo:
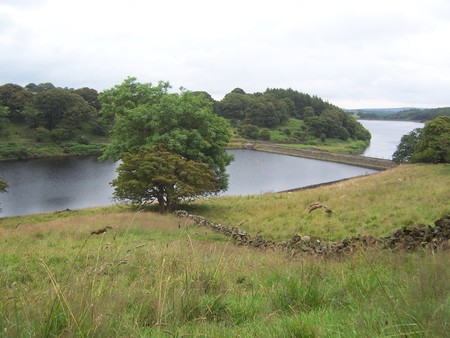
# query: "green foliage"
407,146
262,110
162,176
42,134
3,185
4,112
60,135
434,142
49,107
183,123
430,144
335,123
250,131
16,99
33,117
82,148
414,114
13,150
275,107
60,107
90,96
264,134
301,104
51,116
128,95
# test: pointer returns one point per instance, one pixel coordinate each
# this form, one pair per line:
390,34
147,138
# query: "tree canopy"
59,106
147,117
58,111
431,144
162,176
275,107
406,147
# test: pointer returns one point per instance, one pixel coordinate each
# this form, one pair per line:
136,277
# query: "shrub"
41,134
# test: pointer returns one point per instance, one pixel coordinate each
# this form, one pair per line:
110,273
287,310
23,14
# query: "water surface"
72,183
386,136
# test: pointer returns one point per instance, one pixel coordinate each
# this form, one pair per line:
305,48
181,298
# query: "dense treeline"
62,114
51,113
413,114
422,114
274,107
41,120
43,114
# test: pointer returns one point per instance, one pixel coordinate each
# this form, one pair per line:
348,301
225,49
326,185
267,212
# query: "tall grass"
155,275
375,204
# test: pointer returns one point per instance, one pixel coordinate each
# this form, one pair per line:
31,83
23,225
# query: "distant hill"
378,111
407,114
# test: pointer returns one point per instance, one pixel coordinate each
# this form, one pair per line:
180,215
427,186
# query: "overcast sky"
352,53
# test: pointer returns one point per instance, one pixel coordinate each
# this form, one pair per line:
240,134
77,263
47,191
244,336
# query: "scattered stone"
409,239
101,231
317,205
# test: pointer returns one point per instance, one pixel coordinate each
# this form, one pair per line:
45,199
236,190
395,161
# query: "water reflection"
57,184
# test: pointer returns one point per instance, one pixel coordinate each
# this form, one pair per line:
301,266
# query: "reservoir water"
57,184
386,136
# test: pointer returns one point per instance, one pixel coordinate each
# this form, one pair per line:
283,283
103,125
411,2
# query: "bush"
81,139
60,134
14,151
41,134
264,134
250,131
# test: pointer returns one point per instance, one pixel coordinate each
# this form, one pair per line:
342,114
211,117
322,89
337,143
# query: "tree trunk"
161,203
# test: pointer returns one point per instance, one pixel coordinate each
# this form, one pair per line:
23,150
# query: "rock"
409,239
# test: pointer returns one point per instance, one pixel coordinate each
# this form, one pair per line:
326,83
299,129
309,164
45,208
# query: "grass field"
375,204
161,276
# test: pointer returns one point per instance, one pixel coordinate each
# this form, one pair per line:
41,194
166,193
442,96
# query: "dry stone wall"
435,237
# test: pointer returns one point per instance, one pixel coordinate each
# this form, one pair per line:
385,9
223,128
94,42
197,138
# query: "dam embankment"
356,160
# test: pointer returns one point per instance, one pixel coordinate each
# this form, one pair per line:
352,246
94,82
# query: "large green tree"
430,144
183,123
62,108
128,95
407,146
162,176
434,143
16,98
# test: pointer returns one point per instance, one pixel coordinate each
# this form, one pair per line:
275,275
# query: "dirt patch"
421,236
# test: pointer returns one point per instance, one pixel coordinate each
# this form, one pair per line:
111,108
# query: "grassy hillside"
375,204
154,275
21,143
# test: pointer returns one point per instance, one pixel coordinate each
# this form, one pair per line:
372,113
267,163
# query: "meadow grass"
161,276
375,204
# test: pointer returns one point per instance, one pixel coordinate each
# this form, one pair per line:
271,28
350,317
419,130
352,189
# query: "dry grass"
375,204
141,279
